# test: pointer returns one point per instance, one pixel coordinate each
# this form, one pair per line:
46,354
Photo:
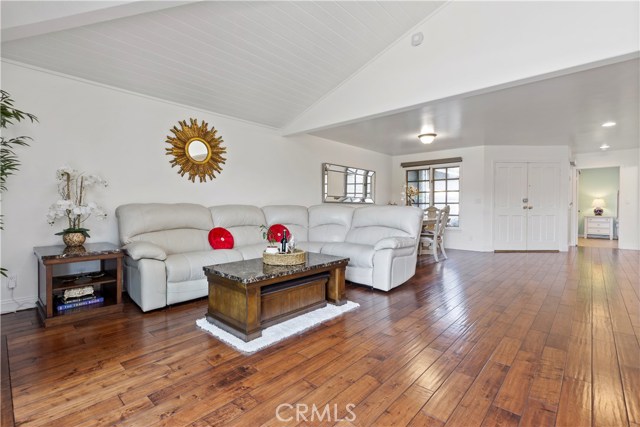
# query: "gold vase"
73,239
73,250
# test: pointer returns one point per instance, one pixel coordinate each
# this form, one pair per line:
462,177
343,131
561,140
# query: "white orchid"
90,180
63,171
73,205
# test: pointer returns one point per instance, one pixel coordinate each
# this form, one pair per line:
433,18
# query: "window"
437,186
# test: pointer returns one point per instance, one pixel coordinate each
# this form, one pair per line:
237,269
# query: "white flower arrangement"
72,186
412,192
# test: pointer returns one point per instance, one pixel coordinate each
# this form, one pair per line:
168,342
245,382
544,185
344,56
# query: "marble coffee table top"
254,270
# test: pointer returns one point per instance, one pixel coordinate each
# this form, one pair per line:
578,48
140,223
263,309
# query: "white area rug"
280,331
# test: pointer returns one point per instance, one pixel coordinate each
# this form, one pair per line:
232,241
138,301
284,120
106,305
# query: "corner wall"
120,136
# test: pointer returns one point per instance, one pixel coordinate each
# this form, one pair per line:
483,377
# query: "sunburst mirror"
196,150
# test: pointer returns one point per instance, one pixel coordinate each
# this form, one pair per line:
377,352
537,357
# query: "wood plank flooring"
481,339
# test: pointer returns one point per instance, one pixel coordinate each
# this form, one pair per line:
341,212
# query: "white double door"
526,206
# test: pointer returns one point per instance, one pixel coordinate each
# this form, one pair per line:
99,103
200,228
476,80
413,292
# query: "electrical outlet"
13,281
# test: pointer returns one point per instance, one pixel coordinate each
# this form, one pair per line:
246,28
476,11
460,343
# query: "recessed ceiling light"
608,124
604,146
427,138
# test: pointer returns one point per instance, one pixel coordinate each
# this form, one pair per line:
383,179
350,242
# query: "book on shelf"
80,302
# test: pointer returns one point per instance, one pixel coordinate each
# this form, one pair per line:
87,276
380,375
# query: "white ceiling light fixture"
604,147
608,124
427,138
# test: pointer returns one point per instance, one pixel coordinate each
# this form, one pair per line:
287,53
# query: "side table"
598,226
107,281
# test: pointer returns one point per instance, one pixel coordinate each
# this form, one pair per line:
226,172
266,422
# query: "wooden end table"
107,279
247,296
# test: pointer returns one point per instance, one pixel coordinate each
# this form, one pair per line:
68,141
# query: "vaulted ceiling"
269,62
264,62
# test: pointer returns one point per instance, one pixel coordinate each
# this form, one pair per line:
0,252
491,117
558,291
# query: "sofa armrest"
395,243
139,250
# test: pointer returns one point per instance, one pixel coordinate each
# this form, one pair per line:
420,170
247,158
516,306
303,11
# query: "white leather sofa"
166,245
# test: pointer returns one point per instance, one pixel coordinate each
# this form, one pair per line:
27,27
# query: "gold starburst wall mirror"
196,150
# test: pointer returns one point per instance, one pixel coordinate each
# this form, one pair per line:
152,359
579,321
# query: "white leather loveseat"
166,245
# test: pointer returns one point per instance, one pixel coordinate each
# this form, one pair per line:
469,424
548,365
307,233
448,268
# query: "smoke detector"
417,39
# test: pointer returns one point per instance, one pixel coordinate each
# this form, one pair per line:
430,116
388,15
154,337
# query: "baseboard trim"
11,305
508,251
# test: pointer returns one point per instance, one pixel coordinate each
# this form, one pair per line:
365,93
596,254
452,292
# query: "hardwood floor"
597,243
481,339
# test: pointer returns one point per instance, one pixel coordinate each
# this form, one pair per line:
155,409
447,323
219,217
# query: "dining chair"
430,221
444,220
431,242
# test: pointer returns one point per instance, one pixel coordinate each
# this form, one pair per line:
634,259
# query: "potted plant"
73,204
9,162
268,235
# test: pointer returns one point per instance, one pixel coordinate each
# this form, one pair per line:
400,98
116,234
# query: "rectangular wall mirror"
345,184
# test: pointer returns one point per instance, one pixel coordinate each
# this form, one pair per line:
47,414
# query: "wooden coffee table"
247,296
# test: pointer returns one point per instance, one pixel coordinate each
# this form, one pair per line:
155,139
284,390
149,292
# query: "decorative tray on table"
298,256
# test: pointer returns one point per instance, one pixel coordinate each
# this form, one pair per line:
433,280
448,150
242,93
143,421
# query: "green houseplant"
9,162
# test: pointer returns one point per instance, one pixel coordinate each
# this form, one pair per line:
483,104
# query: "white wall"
476,188
473,201
629,208
471,46
120,136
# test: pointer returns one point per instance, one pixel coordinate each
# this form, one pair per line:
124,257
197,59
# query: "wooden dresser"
598,226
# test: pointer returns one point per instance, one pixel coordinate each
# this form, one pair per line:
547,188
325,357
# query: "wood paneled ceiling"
264,62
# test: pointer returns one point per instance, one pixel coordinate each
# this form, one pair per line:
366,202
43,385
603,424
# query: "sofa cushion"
139,250
252,251
295,218
140,218
188,266
359,255
329,223
176,241
242,221
311,246
395,243
220,238
375,223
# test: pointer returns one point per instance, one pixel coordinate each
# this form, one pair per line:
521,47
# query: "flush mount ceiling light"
427,138
604,146
608,124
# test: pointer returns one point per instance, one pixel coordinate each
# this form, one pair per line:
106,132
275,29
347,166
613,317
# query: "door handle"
525,200
525,207
530,207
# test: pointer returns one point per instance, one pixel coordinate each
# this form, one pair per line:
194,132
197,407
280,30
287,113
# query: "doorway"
598,198
526,206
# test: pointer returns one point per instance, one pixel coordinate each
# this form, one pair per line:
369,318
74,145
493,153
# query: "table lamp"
598,205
